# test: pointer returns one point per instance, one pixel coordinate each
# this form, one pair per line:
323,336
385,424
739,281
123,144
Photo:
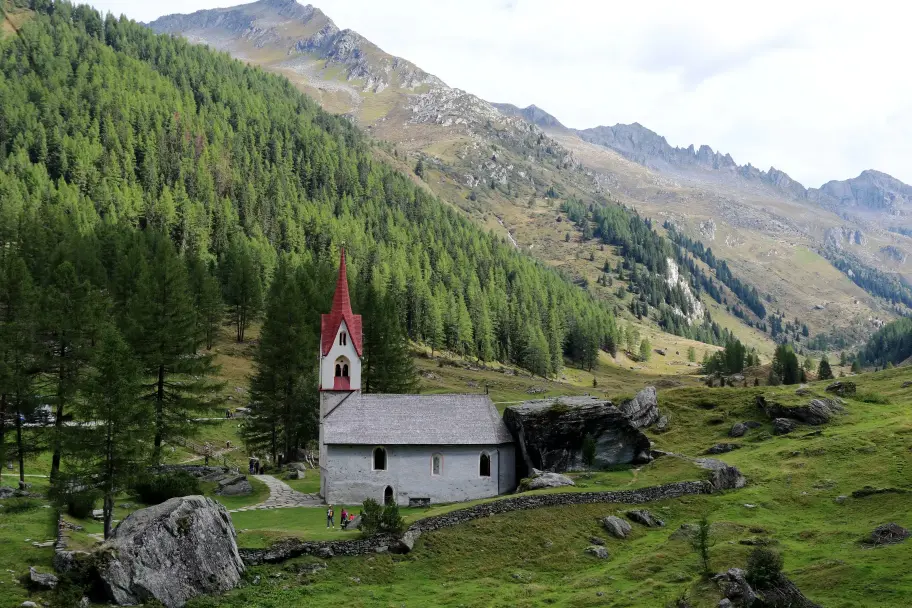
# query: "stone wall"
291,548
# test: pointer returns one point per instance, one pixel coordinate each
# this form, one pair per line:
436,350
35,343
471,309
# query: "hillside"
510,169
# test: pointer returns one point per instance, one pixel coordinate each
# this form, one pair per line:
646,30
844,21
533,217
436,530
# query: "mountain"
514,171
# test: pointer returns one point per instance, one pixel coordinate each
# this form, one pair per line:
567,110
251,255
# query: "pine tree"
419,168
645,350
824,372
161,328
785,365
284,402
387,365
110,445
691,354
243,288
206,296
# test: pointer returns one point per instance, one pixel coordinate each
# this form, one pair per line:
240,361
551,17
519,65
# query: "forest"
892,288
891,344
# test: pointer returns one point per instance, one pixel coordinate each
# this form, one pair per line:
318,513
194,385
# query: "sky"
819,90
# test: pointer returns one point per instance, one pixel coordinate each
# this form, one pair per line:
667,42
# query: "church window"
379,459
343,339
345,370
338,370
484,465
342,367
436,464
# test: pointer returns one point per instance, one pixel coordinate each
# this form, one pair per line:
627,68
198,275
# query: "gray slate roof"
416,420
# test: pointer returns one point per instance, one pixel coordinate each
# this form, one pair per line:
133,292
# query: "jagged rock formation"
616,527
816,412
532,114
171,552
550,432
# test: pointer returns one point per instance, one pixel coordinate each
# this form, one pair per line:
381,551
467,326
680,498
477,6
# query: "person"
329,518
250,466
344,515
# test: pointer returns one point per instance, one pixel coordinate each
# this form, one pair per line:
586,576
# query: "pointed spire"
341,300
341,311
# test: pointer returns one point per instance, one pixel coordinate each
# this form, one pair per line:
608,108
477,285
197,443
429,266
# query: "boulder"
816,412
171,552
662,425
781,426
234,485
597,551
841,388
722,448
405,543
7,492
887,534
42,580
550,434
735,588
616,527
907,384
597,540
544,479
645,518
739,429
723,476
643,409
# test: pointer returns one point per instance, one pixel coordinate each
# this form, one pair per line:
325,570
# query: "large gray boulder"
234,485
616,527
841,388
171,552
735,588
550,434
643,409
645,518
816,412
544,479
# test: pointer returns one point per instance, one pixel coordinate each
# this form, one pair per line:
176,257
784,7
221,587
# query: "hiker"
344,516
330,514
250,465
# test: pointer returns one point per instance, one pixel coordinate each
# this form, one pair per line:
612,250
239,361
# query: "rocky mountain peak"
531,113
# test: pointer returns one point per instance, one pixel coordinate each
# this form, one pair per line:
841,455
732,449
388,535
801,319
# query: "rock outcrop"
550,432
783,426
722,448
887,534
234,485
544,479
735,588
643,409
841,388
645,518
42,580
171,552
816,412
616,527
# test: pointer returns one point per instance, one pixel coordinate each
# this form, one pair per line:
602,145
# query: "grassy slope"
536,558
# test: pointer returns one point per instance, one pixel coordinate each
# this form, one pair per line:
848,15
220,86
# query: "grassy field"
536,558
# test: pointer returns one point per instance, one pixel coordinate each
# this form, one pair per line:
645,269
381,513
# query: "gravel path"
281,496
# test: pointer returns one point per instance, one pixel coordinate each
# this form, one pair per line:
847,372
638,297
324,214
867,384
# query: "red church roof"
341,311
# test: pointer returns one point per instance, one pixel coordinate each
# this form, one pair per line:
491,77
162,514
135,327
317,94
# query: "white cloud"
817,89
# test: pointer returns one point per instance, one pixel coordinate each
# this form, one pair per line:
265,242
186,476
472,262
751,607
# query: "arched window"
342,367
379,459
388,496
484,465
436,464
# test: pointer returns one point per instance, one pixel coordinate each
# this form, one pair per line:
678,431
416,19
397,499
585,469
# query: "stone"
596,551
725,603
544,479
189,535
752,424
325,552
782,426
42,580
739,429
841,388
235,485
643,409
907,384
405,543
28,604
722,448
645,518
616,527
549,434
816,412
662,425
840,499
7,492
735,587
887,534
724,476
597,540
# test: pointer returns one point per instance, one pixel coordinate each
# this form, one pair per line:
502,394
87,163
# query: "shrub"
19,505
377,519
155,489
872,397
764,566
81,505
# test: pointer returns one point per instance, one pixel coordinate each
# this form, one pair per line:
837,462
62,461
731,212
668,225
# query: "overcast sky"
820,90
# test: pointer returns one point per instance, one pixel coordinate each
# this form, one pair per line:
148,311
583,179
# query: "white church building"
408,449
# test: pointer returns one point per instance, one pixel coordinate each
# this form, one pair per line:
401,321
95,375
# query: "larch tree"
243,287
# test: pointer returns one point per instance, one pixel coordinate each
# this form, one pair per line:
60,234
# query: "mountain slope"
511,169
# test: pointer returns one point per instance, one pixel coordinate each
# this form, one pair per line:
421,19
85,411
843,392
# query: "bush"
81,505
764,566
376,519
19,505
871,397
155,489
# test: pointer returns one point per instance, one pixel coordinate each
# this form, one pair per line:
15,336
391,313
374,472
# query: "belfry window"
379,459
484,465
342,367
343,339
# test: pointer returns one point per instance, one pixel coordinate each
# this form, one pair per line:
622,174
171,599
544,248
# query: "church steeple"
340,340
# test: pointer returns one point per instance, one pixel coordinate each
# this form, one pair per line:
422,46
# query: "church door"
388,495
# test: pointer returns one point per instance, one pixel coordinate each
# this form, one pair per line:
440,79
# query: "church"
411,450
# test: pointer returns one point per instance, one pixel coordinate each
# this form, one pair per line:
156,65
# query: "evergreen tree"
110,446
387,365
785,365
824,372
645,350
284,405
691,354
243,288
206,296
162,331
419,168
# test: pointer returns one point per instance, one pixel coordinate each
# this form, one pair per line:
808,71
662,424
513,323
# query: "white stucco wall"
349,477
328,363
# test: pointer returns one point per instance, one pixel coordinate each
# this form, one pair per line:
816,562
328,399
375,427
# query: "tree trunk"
19,448
108,514
58,420
108,507
159,413
2,434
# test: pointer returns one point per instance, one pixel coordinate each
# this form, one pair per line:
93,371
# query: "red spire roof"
341,311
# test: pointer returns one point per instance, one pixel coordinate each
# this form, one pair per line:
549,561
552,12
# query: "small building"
406,449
